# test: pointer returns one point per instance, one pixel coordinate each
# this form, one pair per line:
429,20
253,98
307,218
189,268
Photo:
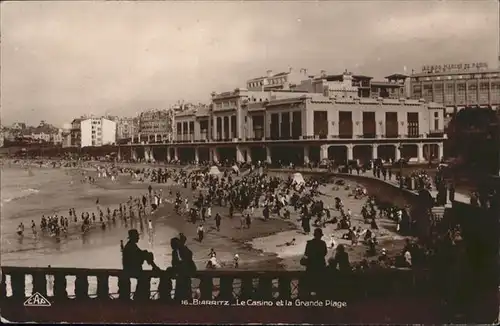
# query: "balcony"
414,136
436,134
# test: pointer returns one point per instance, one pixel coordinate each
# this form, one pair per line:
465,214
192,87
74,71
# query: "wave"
24,193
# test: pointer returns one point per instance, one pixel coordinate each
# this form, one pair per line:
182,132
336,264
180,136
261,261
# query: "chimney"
304,71
322,73
290,69
269,73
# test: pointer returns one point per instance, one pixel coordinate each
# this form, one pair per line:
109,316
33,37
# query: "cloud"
63,59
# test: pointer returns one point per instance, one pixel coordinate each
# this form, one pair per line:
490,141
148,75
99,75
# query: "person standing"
314,261
236,260
217,221
200,232
452,192
248,221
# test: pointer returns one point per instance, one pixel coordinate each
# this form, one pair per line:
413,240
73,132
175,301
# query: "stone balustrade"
60,284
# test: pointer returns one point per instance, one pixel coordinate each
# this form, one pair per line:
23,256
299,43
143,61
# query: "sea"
29,193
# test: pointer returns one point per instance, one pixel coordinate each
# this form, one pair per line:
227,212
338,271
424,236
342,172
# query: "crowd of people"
246,195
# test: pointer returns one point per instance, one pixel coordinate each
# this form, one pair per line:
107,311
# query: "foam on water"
24,193
55,191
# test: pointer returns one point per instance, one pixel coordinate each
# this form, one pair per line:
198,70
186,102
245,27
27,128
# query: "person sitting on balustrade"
133,257
339,262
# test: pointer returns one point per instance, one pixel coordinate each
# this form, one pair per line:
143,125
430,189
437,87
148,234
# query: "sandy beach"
261,247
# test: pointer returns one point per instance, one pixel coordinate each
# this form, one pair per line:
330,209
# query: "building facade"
457,86
126,127
156,125
97,132
292,127
75,133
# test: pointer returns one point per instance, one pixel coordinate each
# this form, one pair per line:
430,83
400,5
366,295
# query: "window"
285,125
345,124
296,124
436,114
413,125
369,125
274,126
320,123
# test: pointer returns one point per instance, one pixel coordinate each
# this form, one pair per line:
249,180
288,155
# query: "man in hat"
133,257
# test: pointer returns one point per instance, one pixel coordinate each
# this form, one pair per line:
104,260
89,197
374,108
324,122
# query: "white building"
97,132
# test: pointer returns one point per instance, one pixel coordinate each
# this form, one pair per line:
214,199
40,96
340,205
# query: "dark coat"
316,251
133,258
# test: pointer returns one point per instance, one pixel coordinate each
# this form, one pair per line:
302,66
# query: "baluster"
39,283
18,284
284,287
60,285
226,288
143,288
165,288
81,287
303,288
265,288
3,285
103,287
206,287
124,287
247,291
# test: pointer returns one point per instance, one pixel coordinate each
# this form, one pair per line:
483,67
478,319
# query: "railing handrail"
200,273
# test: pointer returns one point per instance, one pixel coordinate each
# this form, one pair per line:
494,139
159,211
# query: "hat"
133,233
318,232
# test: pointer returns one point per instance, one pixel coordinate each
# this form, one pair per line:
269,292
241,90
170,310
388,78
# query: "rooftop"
386,83
396,76
453,73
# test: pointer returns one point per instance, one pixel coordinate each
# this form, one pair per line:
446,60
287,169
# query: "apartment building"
126,128
97,132
156,125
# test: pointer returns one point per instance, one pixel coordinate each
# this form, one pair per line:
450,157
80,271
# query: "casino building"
301,124
457,86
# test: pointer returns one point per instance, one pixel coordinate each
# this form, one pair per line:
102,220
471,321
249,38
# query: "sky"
63,59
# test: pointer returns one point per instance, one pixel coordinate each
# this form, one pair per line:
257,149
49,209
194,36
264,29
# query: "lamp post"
400,149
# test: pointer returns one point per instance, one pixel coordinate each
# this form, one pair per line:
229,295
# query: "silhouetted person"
133,258
452,192
314,261
340,261
183,267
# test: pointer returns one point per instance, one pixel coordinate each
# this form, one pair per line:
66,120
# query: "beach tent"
298,178
214,171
